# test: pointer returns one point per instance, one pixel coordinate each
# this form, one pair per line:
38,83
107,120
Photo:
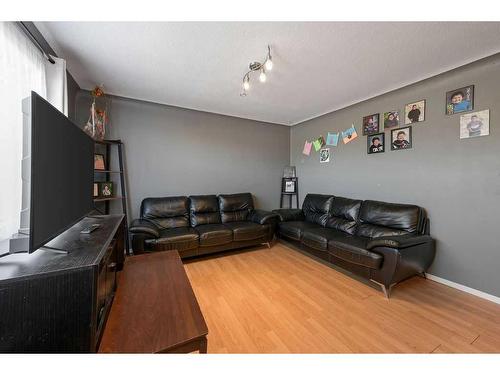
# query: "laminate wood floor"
280,300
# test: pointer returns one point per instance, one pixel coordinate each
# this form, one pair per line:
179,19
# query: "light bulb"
246,85
262,76
269,64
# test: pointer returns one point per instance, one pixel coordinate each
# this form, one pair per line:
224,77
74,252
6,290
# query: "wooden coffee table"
155,309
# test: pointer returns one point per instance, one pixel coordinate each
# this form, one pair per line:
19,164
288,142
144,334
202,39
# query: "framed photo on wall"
415,112
376,143
391,119
475,124
401,139
460,100
371,124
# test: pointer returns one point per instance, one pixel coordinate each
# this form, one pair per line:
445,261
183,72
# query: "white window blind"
22,70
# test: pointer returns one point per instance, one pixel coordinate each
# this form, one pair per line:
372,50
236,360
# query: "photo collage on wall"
332,140
399,124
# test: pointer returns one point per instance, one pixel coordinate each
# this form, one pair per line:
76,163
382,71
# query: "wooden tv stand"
58,303
155,309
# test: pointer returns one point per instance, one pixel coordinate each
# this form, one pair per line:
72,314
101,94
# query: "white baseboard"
464,288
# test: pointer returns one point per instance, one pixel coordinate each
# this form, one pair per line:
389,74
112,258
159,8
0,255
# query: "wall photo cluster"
332,139
461,100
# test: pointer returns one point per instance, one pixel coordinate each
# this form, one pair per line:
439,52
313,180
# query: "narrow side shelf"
99,174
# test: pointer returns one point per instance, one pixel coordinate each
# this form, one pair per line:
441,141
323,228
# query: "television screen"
62,173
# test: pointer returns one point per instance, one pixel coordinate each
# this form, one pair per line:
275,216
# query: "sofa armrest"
399,242
262,217
290,214
142,226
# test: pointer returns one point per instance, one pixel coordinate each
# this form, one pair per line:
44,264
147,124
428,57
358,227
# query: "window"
22,70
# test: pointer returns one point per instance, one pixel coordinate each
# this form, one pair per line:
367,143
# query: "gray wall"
457,181
175,151
73,90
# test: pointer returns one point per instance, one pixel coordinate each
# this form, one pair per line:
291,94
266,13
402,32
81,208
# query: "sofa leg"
424,275
385,289
268,245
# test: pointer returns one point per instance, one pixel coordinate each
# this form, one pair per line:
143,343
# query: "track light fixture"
256,66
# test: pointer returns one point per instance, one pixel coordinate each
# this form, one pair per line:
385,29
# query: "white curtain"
22,70
57,84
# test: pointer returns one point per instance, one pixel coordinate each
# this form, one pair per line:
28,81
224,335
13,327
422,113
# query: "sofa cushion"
344,214
378,219
353,249
235,207
246,230
168,212
214,234
295,229
316,208
318,237
203,209
176,239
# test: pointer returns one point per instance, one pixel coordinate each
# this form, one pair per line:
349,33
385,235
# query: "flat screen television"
58,172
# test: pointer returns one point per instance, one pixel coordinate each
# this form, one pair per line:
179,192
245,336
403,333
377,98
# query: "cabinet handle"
112,266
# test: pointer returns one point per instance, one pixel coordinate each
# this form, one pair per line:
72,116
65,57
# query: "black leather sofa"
201,224
383,242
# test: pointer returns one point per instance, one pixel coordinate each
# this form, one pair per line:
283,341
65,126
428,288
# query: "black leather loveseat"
201,224
383,242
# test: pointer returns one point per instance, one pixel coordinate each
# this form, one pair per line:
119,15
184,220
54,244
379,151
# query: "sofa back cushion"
344,214
168,212
203,209
235,207
316,208
378,219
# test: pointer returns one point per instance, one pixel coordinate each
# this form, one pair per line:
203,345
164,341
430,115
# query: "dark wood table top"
155,308
83,250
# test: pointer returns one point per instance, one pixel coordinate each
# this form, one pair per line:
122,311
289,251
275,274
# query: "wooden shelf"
107,199
105,171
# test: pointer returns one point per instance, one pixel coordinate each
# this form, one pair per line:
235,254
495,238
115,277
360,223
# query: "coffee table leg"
203,345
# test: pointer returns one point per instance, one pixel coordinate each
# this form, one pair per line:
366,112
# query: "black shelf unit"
117,144
289,194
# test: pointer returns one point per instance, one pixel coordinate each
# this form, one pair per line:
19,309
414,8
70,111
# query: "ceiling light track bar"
257,66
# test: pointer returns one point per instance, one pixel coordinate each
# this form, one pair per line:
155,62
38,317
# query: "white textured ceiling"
318,67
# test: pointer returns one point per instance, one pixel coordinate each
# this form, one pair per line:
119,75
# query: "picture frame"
415,112
99,163
371,124
289,185
475,124
460,100
401,138
96,190
106,189
375,143
391,119
324,155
